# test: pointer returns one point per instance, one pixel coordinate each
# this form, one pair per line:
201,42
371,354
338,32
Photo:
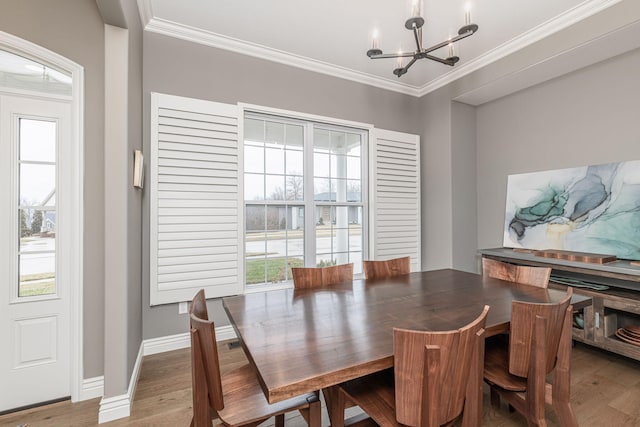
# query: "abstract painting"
592,209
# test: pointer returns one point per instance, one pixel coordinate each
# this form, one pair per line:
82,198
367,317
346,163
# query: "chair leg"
279,420
536,382
472,415
560,395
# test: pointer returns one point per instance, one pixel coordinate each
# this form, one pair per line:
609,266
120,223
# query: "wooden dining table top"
305,340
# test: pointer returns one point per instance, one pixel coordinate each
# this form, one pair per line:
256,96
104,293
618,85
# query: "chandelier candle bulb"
375,39
451,50
415,8
467,13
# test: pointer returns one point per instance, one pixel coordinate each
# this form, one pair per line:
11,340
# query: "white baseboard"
92,388
113,408
167,343
135,374
179,341
116,407
224,333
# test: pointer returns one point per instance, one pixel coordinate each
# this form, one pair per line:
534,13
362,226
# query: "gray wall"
74,29
435,186
186,69
448,190
134,196
463,189
586,117
123,249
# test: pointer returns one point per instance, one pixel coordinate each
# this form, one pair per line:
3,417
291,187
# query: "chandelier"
415,24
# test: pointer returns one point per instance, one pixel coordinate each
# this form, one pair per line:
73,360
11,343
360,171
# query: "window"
303,191
37,207
240,194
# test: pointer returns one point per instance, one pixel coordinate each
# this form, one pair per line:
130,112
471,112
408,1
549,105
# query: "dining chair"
235,398
524,274
389,268
199,306
437,377
539,344
319,277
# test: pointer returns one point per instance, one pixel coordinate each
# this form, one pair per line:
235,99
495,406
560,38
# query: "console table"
615,292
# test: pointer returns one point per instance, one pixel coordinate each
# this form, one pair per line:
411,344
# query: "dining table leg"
315,413
335,402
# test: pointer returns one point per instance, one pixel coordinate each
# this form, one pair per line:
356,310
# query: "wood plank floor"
605,392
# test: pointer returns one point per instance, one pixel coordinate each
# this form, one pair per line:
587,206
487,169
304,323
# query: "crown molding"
546,29
207,38
146,11
599,49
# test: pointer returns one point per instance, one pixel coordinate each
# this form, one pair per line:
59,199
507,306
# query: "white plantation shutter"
395,196
196,199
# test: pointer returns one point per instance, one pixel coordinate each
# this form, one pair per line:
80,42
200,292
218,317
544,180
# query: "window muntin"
37,207
277,153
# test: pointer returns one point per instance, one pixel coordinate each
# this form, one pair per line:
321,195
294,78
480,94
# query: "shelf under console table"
614,288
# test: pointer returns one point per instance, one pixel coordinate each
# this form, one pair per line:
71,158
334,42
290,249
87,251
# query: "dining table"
307,340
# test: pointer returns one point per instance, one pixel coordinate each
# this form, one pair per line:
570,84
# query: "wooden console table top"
587,257
621,270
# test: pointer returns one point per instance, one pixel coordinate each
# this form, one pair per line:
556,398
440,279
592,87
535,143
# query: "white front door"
35,193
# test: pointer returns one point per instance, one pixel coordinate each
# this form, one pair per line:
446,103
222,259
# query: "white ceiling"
332,36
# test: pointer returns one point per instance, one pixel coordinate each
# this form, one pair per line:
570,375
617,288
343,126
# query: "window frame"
42,208
309,122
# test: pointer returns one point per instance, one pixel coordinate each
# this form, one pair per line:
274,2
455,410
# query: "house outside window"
303,191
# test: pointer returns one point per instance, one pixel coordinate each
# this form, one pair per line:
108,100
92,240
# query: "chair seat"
245,402
375,394
496,366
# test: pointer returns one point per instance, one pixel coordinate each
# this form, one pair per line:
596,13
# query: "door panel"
34,278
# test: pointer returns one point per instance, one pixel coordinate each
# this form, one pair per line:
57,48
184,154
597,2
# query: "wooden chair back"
205,365
433,370
527,320
199,306
389,268
319,277
524,274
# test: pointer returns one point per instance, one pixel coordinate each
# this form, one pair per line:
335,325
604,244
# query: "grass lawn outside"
277,269
37,284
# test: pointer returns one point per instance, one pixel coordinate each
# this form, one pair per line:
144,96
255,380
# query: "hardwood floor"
605,392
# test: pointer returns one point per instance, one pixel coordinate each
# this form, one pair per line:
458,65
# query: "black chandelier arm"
448,42
400,71
441,60
409,64
393,55
418,37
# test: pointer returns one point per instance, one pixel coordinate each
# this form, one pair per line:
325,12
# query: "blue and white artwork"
592,209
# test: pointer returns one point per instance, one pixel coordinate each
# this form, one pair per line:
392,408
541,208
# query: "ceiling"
332,36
